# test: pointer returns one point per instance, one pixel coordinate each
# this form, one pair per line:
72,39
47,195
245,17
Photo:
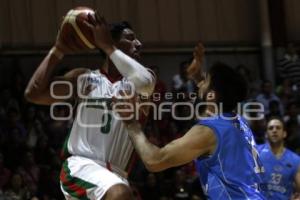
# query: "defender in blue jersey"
282,165
234,170
223,147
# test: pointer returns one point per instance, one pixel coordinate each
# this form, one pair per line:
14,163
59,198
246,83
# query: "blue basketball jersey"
280,172
234,171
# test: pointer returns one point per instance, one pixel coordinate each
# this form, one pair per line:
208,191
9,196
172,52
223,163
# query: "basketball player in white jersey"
99,146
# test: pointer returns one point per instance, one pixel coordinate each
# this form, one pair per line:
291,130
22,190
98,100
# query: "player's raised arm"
141,77
195,69
38,88
199,140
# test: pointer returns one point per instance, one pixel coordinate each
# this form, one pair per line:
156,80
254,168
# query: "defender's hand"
194,71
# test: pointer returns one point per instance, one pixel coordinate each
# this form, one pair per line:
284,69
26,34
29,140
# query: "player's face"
275,131
129,44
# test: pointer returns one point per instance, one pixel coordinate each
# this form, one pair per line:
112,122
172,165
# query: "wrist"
198,77
56,52
133,126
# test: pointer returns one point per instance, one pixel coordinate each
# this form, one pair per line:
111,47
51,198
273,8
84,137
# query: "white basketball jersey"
96,132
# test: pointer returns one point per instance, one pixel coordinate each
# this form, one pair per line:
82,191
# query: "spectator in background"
160,87
168,129
14,122
4,173
48,179
30,172
292,120
7,101
13,147
182,88
57,130
17,189
257,122
285,92
181,83
3,130
292,113
151,189
181,187
274,109
17,87
253,83
289,66
33,126
267,95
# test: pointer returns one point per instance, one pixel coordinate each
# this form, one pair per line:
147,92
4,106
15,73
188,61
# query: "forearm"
143,80
149,153
42,77
196,75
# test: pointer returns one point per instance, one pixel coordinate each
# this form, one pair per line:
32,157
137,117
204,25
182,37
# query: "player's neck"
109,68
277,149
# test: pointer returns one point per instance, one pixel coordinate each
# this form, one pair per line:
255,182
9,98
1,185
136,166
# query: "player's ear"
211,96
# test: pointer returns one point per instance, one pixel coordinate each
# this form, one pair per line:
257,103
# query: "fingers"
95,19
88,24
199,51
92,19
97,16
200,48
100,18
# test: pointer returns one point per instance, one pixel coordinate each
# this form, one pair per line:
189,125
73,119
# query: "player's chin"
136,55
274,140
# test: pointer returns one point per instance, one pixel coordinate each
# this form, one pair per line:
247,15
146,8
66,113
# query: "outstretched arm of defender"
199,140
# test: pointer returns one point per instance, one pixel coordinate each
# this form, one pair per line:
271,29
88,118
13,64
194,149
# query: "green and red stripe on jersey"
74,186
65,152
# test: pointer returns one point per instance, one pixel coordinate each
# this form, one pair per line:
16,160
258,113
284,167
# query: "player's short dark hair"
117,28
276,118
230,87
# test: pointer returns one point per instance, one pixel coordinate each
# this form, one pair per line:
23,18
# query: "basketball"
74,33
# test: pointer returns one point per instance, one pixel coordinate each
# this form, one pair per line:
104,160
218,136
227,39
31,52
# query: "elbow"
156,165
146,89
143,85
31,97
153,167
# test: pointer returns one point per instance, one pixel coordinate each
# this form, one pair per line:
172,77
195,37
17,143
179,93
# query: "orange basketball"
74,33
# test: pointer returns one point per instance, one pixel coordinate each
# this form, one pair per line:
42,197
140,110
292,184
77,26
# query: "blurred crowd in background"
31,142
